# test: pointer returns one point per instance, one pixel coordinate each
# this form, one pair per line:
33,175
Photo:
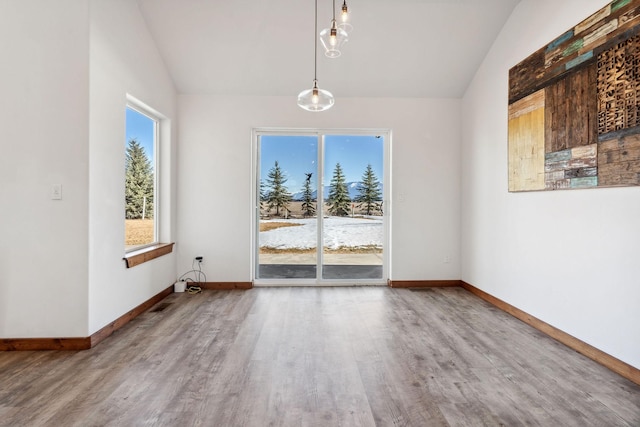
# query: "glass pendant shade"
333,39
315,99
344,22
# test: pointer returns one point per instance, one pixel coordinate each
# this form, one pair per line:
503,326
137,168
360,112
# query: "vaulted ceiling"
398,48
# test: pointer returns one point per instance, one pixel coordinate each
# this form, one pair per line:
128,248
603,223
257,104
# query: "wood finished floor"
367,356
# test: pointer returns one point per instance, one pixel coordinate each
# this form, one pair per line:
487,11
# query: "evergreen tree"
369,195
138,182
338,199
278,196
263,192
263,195
308,208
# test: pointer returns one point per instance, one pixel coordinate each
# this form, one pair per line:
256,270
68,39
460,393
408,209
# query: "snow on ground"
338,231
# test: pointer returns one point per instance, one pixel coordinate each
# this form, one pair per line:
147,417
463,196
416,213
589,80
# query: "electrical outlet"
447,259
200,259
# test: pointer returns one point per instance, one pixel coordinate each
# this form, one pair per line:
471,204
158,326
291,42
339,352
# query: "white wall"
44,99
215,166
569,258
124,60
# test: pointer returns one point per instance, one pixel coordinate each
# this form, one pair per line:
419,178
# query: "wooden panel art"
572,168
574,106
570,111
618,85
619,161
526,143
613,23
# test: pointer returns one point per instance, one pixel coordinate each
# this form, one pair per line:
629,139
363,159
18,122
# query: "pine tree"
369,195
338,199
278,196
308,207
138,182
263,195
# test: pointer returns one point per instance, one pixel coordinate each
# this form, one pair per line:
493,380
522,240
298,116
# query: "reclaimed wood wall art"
574,106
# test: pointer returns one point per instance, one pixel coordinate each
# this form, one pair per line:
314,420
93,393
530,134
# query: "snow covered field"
338,232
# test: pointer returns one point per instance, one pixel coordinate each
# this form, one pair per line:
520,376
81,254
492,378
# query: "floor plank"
362,356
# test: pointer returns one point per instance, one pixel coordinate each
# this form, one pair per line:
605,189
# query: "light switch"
56,192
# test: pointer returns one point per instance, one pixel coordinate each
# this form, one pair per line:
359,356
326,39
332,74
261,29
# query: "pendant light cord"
315,46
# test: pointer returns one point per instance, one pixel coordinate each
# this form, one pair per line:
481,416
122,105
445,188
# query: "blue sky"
298,155
141,128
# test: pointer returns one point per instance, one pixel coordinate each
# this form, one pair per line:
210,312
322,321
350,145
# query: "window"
141,190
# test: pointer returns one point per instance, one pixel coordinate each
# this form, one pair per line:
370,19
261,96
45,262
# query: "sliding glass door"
287,201
320,216
353,221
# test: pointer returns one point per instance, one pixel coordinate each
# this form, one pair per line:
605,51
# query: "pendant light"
345,18
315,99
333,38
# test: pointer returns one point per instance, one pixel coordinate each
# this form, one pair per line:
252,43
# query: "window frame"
150,113
321,133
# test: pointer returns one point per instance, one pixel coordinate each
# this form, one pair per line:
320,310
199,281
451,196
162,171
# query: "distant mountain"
352,186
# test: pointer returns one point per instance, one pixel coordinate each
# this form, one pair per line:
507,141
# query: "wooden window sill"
147,254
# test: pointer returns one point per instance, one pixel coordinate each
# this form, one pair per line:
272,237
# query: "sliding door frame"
255,204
